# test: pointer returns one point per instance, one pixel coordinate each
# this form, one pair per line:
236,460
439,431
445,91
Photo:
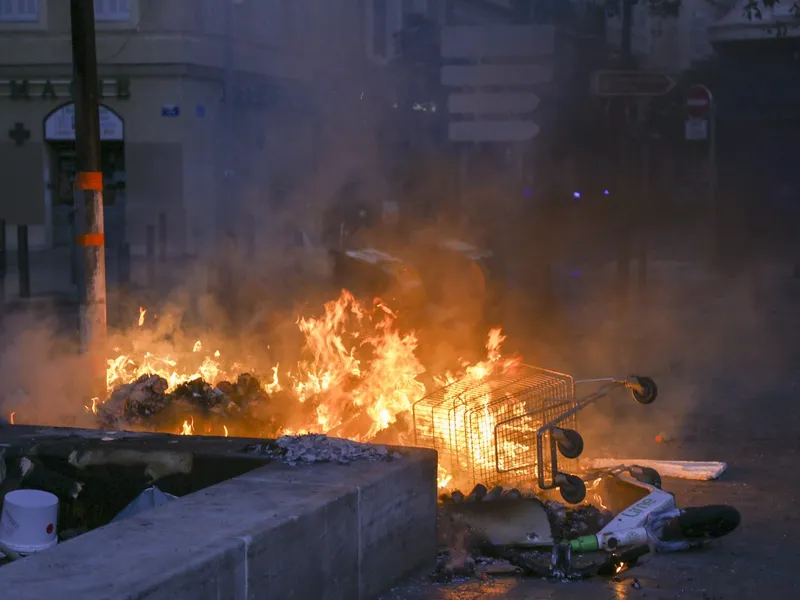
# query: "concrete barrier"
279,532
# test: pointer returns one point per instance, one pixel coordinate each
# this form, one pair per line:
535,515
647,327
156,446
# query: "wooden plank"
492,103
487,75
495,41
492,131
679,469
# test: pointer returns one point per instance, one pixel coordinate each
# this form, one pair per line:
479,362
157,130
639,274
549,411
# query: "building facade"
174,147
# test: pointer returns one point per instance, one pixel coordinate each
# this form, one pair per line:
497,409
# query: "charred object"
147,404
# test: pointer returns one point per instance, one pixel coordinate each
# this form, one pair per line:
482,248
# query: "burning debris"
146,403
358,377
309,449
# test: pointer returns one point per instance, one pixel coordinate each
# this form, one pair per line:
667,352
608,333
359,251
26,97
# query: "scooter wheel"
570,443
572,489
648,392
700,522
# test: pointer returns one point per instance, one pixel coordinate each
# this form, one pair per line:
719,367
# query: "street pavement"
726,359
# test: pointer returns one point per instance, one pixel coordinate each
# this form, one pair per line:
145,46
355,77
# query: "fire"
123,369
444,479
11,417
93,408
358,374
142,313
337,345
188,427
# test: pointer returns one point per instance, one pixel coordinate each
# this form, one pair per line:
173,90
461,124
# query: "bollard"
23,262
2,261
162,237
151,255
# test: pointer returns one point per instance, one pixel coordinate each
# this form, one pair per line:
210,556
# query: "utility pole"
228,212
89,186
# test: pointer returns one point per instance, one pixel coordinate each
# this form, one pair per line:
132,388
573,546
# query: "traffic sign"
496,75
632,83
492,131
521,58
499,103
698,102
497,41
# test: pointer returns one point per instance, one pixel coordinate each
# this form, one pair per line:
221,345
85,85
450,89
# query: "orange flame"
142,313
11,417
188,427
357,367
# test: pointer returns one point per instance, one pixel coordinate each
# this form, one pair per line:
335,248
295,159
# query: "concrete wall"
328,531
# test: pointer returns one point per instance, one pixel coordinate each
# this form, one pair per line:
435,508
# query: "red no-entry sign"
698,102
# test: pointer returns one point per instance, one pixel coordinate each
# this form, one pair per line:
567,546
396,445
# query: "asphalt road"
729,372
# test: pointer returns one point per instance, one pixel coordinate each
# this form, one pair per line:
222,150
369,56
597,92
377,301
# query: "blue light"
576,194
606,193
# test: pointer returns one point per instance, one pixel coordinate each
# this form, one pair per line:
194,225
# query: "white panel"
60,124
510,41
483,75
499,103
492,131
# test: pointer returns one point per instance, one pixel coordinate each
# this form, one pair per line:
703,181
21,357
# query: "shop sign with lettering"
61,89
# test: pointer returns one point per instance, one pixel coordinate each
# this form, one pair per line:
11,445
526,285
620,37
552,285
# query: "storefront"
157,153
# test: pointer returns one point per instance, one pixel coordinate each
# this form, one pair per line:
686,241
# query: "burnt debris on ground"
512,531
309,449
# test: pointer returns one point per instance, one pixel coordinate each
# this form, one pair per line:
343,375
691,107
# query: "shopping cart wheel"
569,442
572,488
643,389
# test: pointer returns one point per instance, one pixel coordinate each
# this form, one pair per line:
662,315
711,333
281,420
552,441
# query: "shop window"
19,11
112,10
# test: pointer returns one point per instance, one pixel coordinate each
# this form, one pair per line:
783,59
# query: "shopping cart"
509,429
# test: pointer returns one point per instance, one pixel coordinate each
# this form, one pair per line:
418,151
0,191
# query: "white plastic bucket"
29,521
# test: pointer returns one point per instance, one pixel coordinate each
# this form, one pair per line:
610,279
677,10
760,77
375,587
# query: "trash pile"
309,449
146,404
512,531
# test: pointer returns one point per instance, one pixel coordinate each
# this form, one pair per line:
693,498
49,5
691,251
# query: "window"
112,10
19,10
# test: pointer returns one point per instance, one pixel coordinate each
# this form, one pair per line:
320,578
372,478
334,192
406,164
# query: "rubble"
575,522
308,449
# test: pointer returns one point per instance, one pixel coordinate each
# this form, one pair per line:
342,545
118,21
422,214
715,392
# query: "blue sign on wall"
170,110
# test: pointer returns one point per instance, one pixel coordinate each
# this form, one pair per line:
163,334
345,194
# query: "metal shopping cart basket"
508,429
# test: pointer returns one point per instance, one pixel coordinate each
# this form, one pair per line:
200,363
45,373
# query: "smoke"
702,337
45,380
695,334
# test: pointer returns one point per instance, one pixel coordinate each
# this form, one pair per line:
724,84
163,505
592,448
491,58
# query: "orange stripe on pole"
89,180
91,239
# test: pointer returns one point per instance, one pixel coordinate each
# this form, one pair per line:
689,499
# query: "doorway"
59,128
